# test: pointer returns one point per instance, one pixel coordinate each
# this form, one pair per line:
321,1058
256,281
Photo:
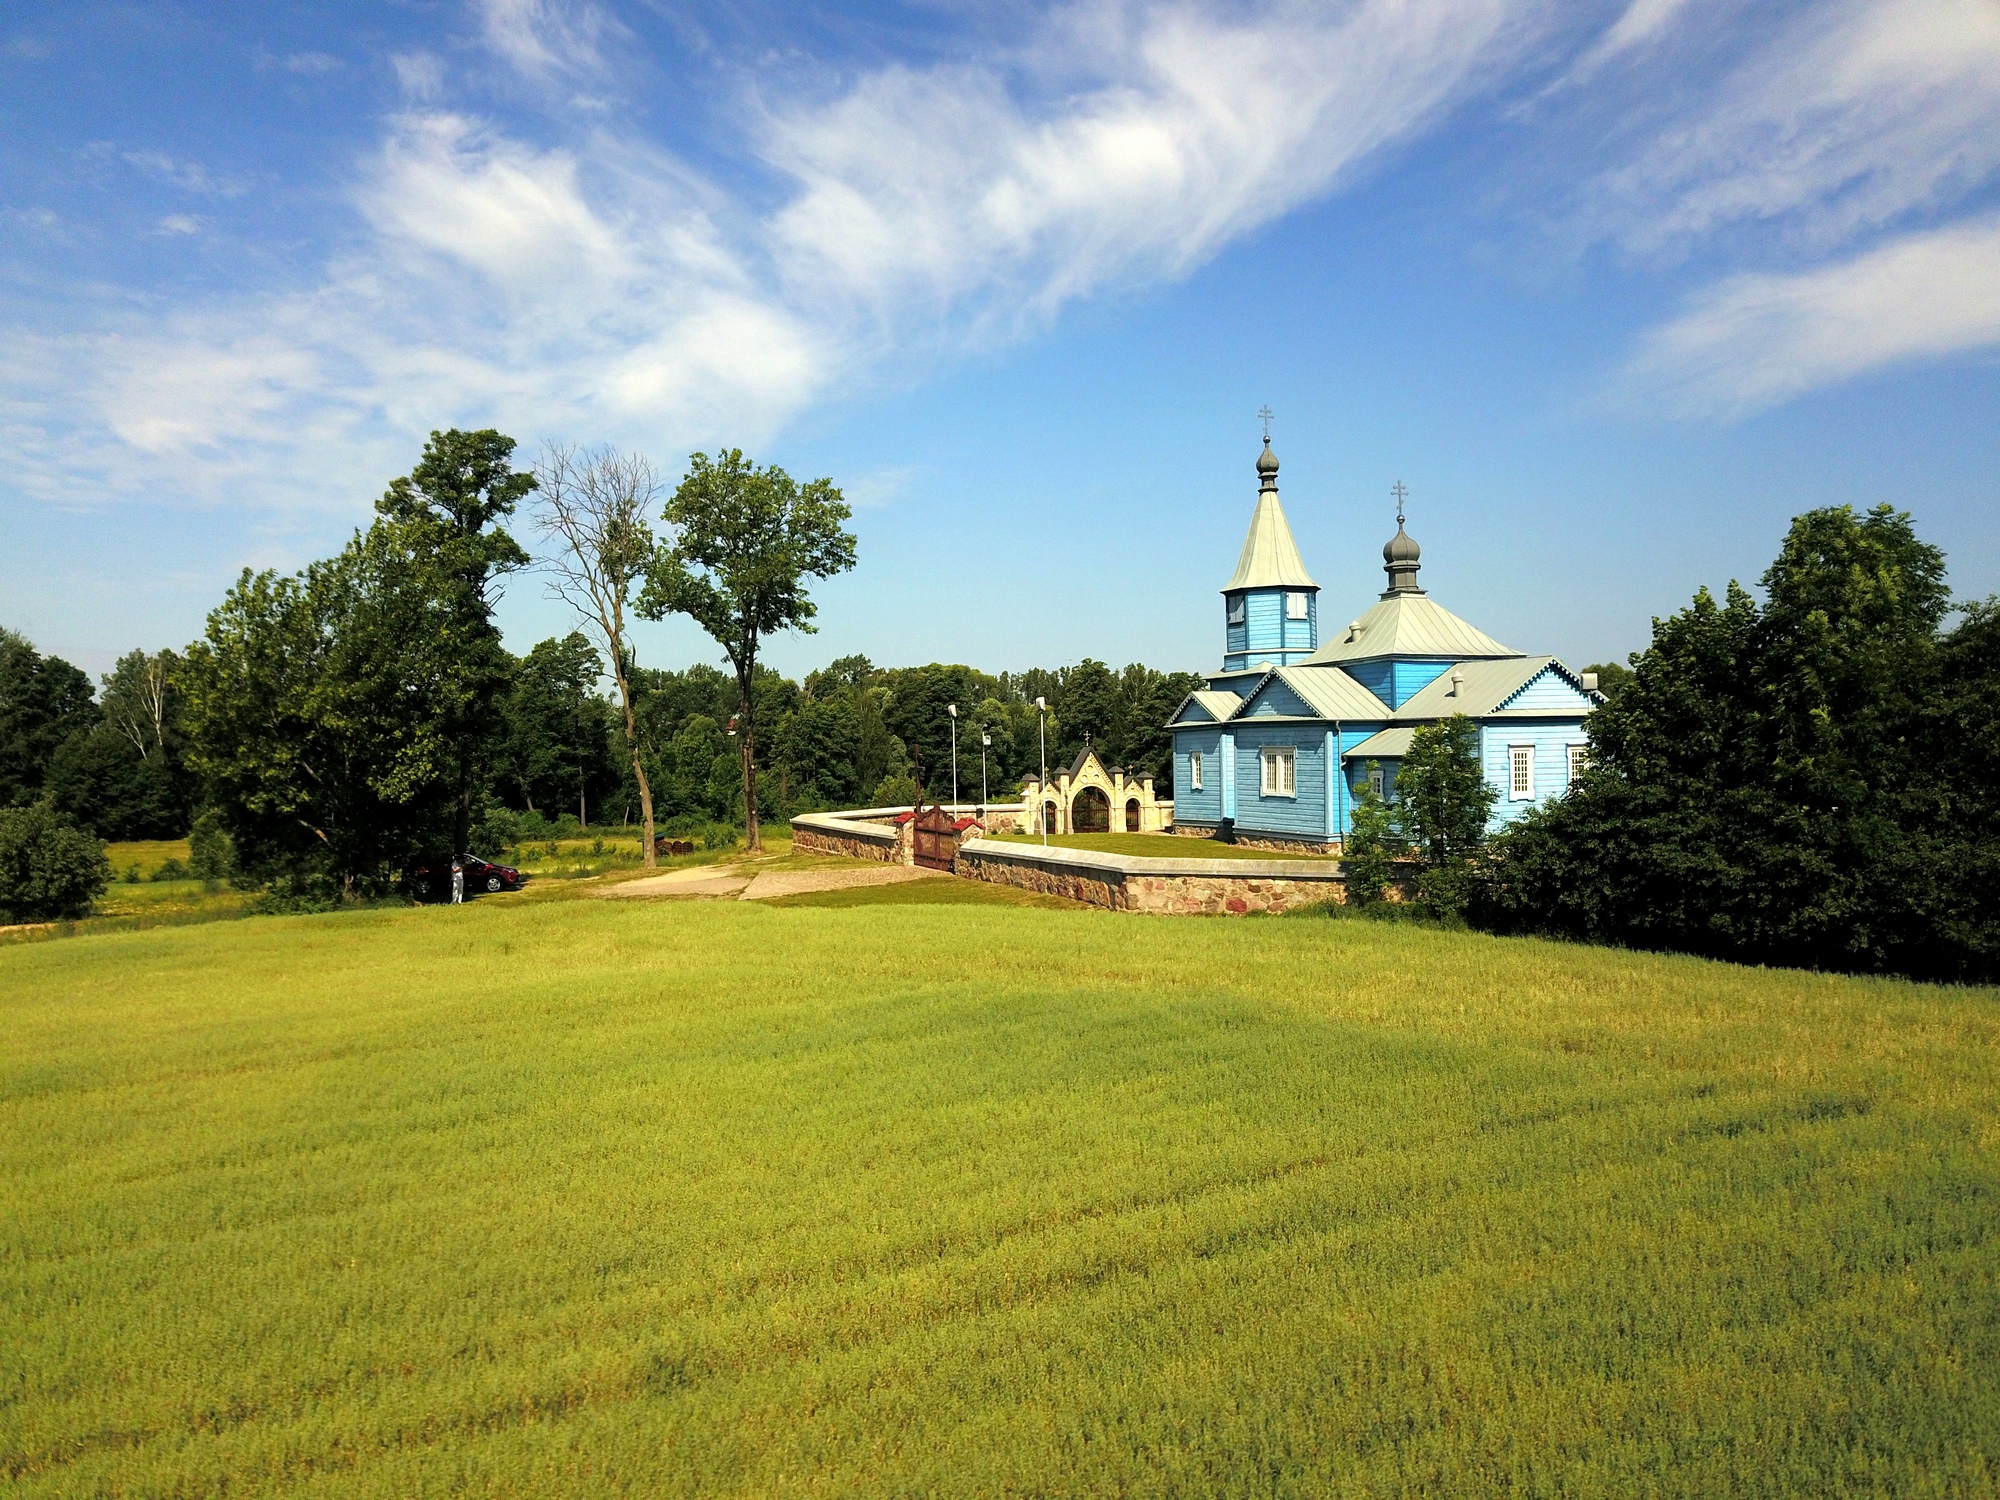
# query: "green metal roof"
1270,557
1332,694
1219,706
1408,624
1389,744
1482,687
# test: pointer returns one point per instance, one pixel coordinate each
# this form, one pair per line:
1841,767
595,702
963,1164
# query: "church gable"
1205,706
1276,699
1550,691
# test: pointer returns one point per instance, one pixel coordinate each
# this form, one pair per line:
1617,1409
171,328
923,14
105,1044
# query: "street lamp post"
1042,797
952,709
985,739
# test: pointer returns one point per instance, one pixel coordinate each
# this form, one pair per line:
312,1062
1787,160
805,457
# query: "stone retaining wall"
823,833
1122,882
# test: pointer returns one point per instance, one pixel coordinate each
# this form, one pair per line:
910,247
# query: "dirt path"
748,883
798,882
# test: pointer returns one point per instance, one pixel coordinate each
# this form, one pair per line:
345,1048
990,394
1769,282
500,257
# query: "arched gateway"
1084,798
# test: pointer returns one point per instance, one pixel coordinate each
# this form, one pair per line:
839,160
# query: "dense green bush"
49,868
1811,781
1372,845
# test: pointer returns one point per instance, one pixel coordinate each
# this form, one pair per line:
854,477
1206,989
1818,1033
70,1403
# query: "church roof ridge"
1408,623
1270,558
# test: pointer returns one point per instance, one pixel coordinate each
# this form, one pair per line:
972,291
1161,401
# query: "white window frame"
1296,607
1278,771
1238,609
1520,773
1377,780
1194,770
1579,760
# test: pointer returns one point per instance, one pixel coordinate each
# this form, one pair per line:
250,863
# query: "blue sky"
1615,289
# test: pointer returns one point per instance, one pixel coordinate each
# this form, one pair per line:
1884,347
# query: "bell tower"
1270,604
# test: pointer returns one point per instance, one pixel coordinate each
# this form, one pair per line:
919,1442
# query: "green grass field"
1156,846
565,1196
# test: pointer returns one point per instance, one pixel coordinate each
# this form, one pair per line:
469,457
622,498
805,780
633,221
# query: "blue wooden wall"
1548,692
1204,806
1397,682
1551,739
1265,634
1302,816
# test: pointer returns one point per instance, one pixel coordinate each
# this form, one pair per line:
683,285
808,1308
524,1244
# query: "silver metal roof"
1332,694
1407,624
1220,706
1270,557
1387,744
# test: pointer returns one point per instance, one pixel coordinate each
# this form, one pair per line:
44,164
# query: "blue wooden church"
1292,728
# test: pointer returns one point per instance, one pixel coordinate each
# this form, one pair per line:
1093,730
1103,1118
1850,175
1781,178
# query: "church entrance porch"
1091,811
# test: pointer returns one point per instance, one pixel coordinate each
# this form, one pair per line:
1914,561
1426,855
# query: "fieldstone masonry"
1118,882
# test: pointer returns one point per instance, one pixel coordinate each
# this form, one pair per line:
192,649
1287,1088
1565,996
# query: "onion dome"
1267,467
1399,561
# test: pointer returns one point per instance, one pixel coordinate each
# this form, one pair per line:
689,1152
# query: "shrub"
171,869
49,869
209,853
1371,848
895,791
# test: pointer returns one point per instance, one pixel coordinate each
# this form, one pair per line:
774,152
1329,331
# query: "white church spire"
1270,557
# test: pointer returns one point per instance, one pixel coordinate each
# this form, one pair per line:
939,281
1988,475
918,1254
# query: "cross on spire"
1264,415
1401,492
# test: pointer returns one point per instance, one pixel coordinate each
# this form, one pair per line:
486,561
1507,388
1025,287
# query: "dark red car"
430,879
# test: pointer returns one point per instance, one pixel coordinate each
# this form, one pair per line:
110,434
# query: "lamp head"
952,709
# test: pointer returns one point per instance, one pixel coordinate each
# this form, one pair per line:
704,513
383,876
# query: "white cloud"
1853,116
311,63
179,224
188,176
545,37
1642,22
603,291
955,188
419,77
1757,340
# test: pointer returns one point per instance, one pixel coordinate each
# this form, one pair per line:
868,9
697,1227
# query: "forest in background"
113,757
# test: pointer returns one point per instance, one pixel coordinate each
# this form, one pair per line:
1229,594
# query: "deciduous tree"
744,542
593,507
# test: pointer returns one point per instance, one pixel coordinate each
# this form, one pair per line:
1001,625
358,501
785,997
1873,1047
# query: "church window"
1295,606
1375,780
1579,760
1194,770
1280,772
1236,609
1521,768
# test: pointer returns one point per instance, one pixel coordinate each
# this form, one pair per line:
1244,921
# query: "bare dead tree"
592,504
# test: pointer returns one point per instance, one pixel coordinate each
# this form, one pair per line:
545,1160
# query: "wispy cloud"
1760,339
603,288
1854,115
964,189
548,37
178,172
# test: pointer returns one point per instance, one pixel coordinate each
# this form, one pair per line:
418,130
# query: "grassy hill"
580,1196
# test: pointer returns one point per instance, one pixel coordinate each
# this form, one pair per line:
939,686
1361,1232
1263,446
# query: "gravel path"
750,884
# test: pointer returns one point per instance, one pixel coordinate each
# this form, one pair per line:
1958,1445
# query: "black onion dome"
1267,461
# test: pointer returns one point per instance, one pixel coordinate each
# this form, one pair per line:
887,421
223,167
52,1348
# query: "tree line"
332,725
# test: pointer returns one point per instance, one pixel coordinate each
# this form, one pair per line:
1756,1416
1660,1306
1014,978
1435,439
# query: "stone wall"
823,833
1119,882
